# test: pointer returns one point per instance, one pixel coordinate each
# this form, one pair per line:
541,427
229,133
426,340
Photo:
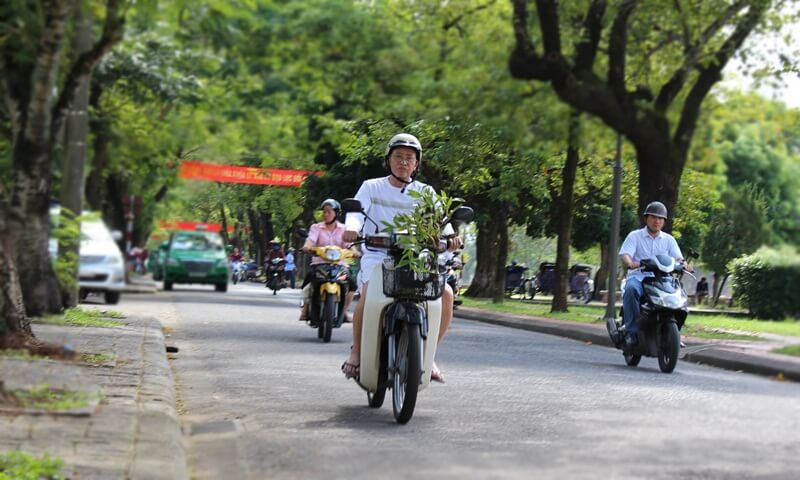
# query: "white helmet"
404,140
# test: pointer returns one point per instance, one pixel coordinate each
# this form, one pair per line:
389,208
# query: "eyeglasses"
408,159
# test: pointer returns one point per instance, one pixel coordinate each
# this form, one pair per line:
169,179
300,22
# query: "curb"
159,451
714,356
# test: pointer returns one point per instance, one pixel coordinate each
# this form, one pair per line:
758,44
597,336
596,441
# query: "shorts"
368,263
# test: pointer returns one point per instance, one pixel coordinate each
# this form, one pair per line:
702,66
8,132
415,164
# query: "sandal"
350,370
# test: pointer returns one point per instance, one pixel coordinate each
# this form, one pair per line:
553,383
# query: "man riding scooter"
646,242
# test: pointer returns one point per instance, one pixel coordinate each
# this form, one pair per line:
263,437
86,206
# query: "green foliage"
79,317
793,350
424,226
766,282
98,358
20,354
18,465
738,228
757,140
66,231
41,396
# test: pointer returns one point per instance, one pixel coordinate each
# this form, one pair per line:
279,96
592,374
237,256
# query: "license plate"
197,274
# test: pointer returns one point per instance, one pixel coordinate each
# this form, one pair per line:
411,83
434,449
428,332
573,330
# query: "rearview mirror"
302,232
350,205
463,214
116,235
164,246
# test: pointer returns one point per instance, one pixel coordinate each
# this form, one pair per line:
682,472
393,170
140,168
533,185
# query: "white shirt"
640,245
382,201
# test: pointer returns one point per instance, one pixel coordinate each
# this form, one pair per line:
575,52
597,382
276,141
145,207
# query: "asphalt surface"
261,397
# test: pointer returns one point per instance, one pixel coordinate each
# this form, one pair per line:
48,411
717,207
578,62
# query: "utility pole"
613,242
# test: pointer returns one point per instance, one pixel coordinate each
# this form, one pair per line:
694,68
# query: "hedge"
766,282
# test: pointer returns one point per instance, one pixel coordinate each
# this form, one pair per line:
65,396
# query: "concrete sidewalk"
130,428
751,357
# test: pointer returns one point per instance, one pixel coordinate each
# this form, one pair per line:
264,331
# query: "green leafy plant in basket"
424,225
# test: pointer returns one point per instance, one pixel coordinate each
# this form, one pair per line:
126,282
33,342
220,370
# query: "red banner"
233,174
192,226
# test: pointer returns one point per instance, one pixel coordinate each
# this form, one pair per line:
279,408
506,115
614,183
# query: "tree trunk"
255,236
12,307
564,215
601,277
101,158
77,136
491,253
721,286
659,179
31,229
224,220
31,166
269,230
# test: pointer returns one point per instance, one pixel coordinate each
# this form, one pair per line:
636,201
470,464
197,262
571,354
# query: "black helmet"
656,209
331,203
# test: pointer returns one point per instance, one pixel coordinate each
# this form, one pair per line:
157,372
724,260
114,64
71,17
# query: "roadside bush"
766,282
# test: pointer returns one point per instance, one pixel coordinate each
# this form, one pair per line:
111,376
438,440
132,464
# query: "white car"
101,268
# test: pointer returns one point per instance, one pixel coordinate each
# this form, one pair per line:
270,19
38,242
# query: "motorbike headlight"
332,255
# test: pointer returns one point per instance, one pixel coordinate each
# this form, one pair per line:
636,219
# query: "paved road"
265,399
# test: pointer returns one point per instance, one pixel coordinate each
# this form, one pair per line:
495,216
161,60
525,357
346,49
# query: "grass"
19,465
97,358
707,326
20,354
41,396
80,317
793,350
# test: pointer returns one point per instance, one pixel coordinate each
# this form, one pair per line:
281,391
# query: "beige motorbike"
402,315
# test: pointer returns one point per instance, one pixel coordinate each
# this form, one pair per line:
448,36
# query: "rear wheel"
408,372
167,285
669,348
221,287
375,400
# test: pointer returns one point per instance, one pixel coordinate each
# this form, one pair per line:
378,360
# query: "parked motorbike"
251,271
452,270
329,287
402,314
274,272
664,308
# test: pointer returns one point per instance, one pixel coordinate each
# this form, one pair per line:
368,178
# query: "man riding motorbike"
646,242
327,232
382,199
274,252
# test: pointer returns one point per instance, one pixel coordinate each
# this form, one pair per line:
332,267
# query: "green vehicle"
195,257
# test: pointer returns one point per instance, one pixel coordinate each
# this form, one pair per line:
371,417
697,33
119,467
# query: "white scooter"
402,314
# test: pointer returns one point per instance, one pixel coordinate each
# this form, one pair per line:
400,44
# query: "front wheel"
631,359
669,348
407,372
327,319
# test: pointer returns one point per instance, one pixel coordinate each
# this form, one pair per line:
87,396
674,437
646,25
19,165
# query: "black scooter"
665,306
